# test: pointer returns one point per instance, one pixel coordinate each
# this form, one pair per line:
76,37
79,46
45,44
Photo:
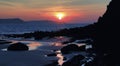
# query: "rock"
64,58
90,64
75,61
82,48
17,47
69,48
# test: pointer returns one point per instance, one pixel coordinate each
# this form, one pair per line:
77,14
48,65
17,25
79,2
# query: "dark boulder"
64,58
69,48
91,63
82,48
17,47
75,61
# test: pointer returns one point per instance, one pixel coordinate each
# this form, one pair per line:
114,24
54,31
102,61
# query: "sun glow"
60,15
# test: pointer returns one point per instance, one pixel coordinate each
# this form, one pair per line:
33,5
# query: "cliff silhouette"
107,28
106,38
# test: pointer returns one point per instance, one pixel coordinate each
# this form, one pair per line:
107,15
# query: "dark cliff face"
107,34
112,14
108,30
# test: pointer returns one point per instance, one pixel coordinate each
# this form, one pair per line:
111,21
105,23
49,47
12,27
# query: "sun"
60,15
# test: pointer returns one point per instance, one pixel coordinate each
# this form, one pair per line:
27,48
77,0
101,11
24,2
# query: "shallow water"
36,56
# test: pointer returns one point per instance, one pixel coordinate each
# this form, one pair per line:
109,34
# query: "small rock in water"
64,58
69,48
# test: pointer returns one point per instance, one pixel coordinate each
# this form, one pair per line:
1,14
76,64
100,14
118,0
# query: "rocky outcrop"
69,48
107,28
106,38
75,61
82,48
17,47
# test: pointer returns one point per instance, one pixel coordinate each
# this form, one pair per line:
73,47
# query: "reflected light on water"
60,58
13,42
4,49
57,44
81,44
34,45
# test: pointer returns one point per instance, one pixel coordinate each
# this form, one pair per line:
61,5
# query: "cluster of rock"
75,61
71,48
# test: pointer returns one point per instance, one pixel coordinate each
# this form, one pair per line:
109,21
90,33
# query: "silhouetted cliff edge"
107,35
107,28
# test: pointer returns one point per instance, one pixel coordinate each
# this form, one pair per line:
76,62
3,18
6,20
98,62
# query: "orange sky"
75,10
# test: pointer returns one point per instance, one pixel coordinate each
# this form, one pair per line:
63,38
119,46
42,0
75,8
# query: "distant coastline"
19,26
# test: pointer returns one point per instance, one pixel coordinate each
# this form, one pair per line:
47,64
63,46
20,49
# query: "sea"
20,28
39,50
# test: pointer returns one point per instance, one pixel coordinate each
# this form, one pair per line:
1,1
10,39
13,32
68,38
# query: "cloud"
6,4
84,2
15,1
52,5
34,4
